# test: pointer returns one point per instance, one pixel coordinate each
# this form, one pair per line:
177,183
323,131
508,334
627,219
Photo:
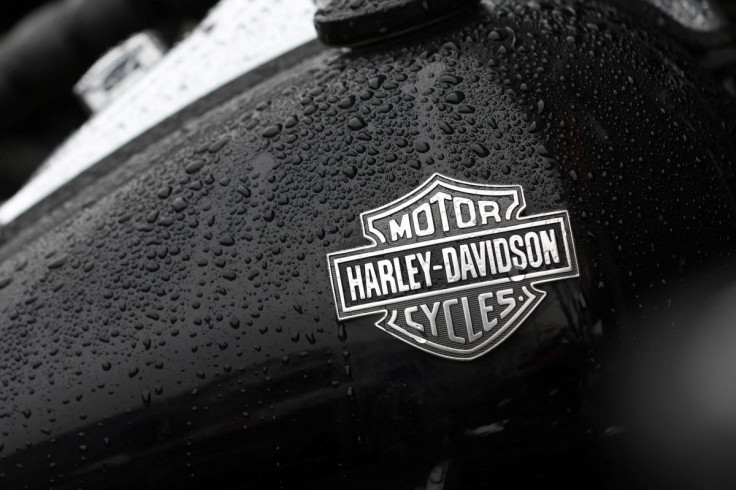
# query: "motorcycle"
451,245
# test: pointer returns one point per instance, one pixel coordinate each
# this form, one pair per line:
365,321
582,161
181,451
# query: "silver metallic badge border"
377,239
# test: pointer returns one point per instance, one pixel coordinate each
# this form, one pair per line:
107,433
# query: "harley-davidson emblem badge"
452,267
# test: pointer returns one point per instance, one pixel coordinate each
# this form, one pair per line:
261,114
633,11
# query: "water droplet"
454,97
356,123
272,131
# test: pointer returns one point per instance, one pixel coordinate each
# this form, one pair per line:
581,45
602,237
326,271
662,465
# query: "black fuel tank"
173,324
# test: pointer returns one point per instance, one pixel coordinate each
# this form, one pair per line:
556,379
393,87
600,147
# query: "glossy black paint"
172,325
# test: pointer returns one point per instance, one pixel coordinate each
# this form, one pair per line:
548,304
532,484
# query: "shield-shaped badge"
452,266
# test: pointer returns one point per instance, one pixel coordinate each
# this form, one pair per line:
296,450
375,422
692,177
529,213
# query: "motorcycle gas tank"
178,327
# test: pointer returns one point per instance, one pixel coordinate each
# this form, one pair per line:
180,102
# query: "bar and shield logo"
452,266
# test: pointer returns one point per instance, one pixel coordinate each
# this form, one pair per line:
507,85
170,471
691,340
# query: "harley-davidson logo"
452,266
